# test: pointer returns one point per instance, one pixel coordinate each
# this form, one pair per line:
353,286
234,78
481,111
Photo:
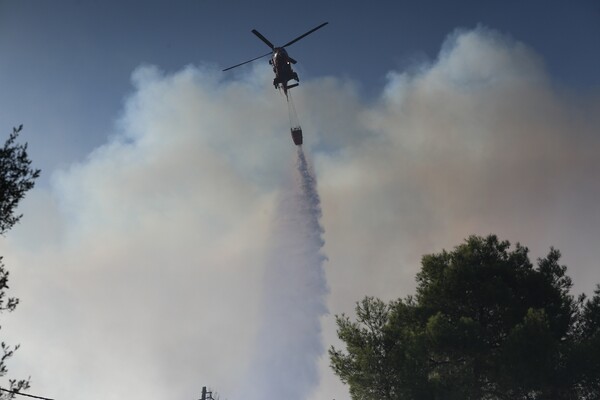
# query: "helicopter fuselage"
282,67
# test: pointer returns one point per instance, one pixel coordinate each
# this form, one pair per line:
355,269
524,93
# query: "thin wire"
23,394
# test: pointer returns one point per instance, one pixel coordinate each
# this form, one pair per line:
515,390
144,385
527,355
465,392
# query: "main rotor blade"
249,61
264,39
306,34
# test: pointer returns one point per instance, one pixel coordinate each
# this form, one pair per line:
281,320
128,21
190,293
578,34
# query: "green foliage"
16,178
485,323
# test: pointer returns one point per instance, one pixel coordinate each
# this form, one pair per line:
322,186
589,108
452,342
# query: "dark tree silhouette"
485,323
16,178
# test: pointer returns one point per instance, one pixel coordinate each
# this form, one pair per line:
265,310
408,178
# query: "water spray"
289,339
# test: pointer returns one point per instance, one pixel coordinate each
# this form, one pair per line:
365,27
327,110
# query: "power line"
206,395
24,394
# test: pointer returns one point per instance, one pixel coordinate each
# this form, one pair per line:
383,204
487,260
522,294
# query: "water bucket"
297,135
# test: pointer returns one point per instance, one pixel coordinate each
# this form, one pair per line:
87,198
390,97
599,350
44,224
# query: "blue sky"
145,244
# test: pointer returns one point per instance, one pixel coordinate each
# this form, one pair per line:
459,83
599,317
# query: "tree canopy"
16,178
485,323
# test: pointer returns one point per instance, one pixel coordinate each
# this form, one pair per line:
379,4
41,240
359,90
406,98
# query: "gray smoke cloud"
152,267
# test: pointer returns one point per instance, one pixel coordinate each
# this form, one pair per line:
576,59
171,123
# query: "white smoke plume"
141,269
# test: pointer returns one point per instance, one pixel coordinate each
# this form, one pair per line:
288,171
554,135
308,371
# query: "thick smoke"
168,258
289,343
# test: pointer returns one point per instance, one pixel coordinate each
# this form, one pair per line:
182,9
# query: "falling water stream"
290,343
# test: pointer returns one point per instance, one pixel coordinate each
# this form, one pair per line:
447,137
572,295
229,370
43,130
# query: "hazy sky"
142,262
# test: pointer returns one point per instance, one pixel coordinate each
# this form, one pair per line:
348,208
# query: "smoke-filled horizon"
141,268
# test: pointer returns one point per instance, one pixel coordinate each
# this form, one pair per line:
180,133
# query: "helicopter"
280,60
